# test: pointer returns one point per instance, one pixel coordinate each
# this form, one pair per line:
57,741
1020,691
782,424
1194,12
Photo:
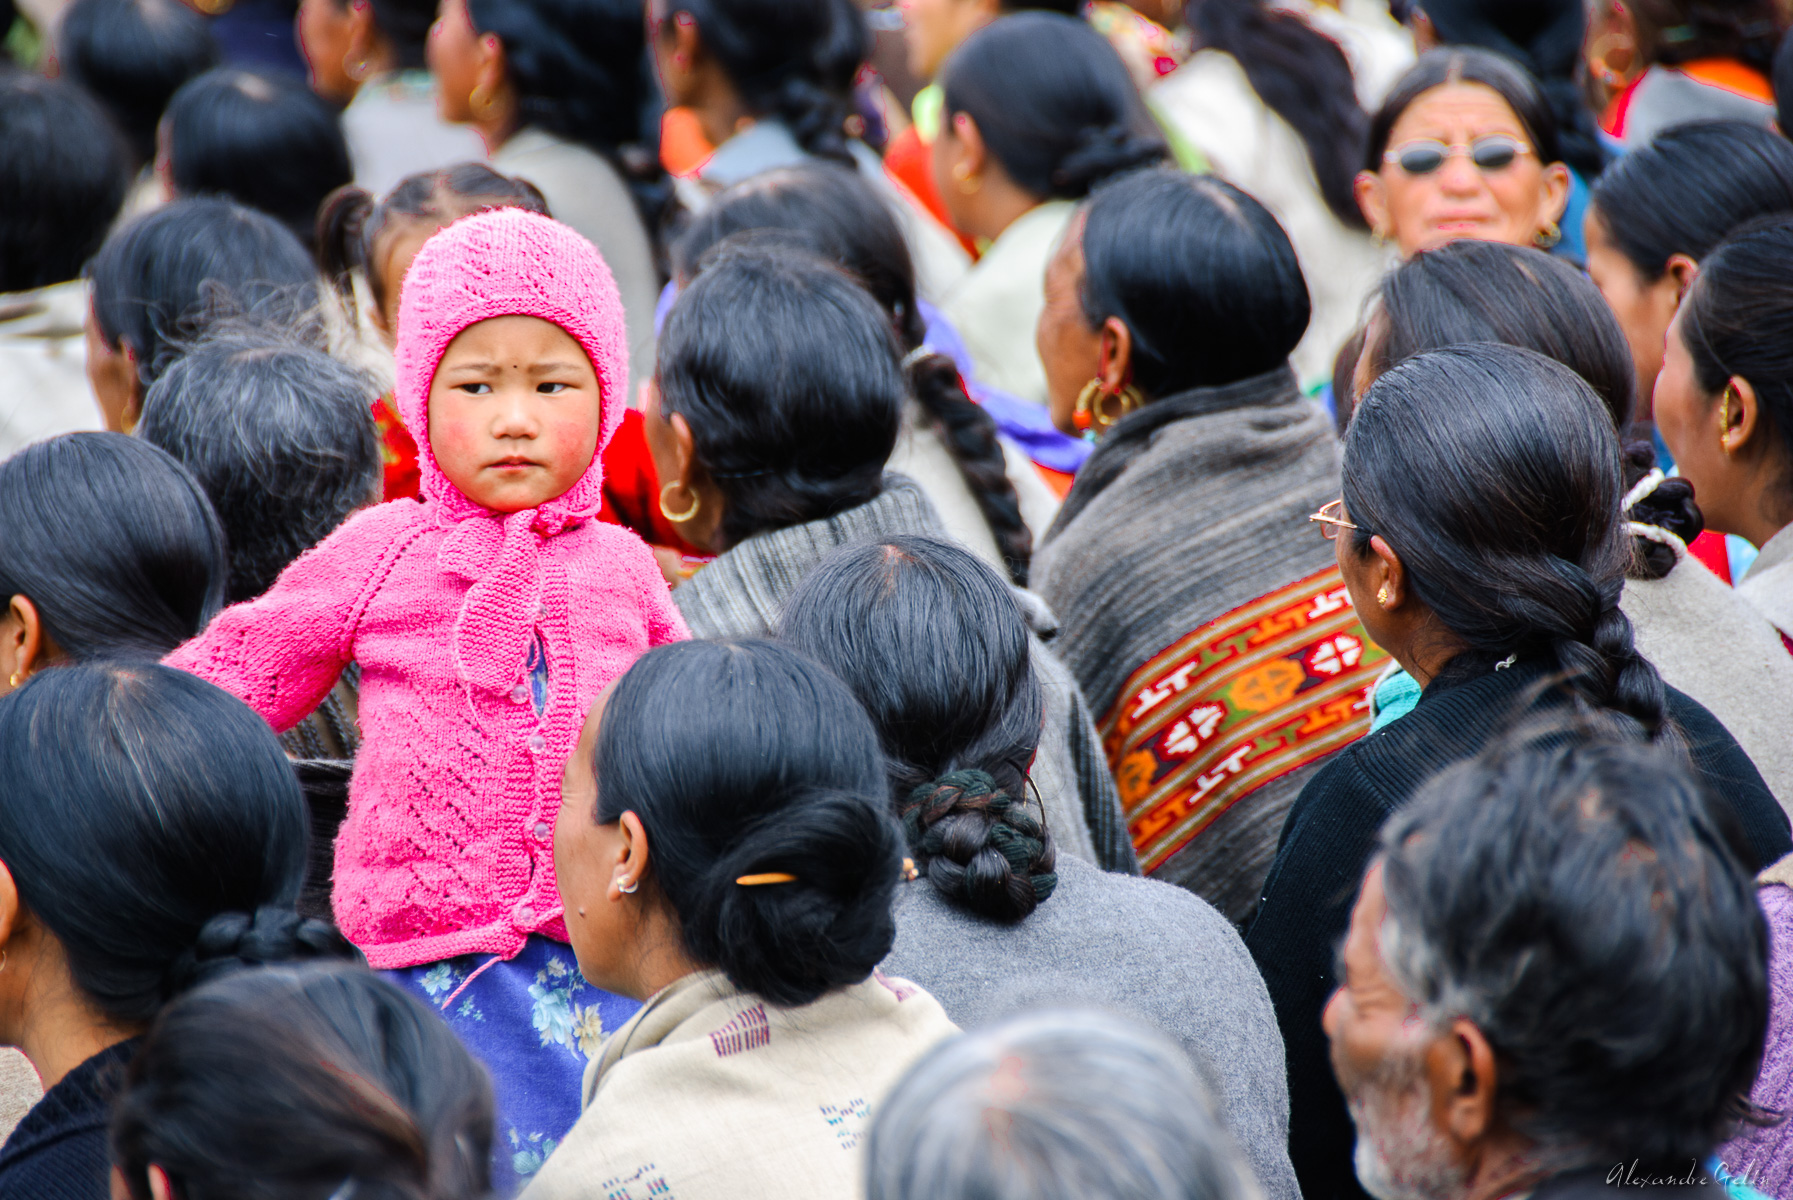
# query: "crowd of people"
988,599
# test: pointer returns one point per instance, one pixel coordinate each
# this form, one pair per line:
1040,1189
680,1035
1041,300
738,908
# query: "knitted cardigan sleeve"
281,652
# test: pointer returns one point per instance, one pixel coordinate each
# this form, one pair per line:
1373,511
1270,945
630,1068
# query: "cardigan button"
542,830
537,743
525,913
520,694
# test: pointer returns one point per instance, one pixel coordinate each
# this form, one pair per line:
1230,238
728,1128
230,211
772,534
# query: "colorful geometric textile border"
1245,699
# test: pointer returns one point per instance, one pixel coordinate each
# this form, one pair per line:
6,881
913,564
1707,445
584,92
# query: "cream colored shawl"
710,1093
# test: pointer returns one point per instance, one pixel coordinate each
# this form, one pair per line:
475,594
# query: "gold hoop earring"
679,518
1382,596
1549,235
1099,410
969,184
1724,415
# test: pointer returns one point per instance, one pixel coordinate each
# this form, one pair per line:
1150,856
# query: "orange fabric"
398,453
683,146
907,160
1059,481
1732,76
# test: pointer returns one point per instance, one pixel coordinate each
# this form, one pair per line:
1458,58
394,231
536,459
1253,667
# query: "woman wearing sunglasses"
1464,147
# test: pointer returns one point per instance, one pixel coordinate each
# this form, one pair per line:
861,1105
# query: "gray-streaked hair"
1054,1105
1583,902
279,434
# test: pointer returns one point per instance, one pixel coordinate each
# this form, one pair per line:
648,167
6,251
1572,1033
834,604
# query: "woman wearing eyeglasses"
1464,147
1481,540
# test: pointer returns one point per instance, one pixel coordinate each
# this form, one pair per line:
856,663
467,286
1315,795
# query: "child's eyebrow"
552,367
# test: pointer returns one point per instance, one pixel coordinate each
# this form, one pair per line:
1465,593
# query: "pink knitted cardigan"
448,844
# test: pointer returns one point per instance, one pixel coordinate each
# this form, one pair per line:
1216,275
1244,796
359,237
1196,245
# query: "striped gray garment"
742,592
1190,507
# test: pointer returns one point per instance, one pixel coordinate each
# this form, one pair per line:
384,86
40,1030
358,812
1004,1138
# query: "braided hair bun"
231,941
980,847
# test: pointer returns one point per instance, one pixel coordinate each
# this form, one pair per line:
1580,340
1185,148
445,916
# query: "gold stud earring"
13,680
1382,596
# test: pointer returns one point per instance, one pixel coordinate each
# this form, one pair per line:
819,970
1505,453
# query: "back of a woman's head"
63,175
405,24
264,140
132,56
113,542
281,437
152,824
577,66
792,60
1468,65
1493,472
293,1083
1475,291
1054,1105
787,372
1739,322
932,642
748,758
835,214
1689,187
1053,103
1682,31
158,280
1201,275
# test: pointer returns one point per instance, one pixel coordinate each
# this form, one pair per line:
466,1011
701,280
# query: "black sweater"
59,1151
1331,834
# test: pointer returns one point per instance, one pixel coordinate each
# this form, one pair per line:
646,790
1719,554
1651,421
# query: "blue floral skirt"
534,1022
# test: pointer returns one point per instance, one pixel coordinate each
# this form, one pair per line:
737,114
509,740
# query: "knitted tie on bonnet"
495,264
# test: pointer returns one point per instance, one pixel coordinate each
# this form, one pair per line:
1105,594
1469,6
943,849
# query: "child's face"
514,412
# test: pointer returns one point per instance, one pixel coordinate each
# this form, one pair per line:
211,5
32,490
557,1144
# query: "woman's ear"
973,156
1391,589
632,861
1115,364
1372,201
684,450
1741,417
22,642
1556,192
1683,271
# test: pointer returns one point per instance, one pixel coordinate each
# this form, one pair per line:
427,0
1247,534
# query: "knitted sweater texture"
447,848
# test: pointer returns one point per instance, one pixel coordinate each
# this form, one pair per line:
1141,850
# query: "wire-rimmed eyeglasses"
1331,519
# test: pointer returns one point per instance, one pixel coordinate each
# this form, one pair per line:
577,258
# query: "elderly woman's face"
1462,166
1069,349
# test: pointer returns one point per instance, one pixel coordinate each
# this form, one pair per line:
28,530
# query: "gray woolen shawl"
1132,946
742,592
1190,507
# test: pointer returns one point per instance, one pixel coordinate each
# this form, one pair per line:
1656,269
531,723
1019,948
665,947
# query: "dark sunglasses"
1496,152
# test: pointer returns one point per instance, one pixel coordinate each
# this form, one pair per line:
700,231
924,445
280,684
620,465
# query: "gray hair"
1580,899
279,434
1054,1105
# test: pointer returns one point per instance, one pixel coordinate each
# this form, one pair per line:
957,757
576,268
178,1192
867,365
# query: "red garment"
398,453
1710,549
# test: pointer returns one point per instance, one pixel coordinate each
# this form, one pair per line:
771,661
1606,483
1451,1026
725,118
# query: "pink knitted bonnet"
498,264
501,263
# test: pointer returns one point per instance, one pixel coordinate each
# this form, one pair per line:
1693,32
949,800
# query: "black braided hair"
979,846
932,643
233,940
1493,472
1670,507
836,215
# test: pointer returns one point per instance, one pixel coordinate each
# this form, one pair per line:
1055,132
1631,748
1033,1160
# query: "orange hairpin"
768,877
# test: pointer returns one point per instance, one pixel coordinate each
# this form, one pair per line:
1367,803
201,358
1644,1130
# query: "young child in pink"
486,618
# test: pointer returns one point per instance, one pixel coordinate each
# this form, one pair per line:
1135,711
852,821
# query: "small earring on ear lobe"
1382,596
628,889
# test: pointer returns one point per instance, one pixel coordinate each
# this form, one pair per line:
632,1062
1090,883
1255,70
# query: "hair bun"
979,847
1102,151
1670,506
232,940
